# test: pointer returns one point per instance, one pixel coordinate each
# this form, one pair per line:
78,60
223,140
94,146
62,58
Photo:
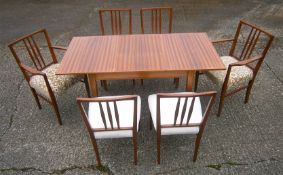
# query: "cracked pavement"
246,139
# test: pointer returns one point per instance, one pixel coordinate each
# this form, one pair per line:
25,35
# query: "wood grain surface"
140,53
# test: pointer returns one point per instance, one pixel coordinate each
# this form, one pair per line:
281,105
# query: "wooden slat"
177,111
102,115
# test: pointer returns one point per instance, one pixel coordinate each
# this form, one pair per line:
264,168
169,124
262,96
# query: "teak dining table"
140,56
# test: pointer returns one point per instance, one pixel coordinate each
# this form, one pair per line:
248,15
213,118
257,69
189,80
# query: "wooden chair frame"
91,130
39,63
116,26
156,24
245,59
201,125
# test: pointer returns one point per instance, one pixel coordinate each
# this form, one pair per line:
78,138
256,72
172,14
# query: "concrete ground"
246,139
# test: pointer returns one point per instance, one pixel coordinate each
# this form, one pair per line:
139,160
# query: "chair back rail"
33,49
156,18
253,37
103,112
116,22
183,109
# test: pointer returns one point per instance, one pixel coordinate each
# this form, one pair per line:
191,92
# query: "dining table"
140,56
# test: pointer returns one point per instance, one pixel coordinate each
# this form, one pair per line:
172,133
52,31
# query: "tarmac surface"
245,139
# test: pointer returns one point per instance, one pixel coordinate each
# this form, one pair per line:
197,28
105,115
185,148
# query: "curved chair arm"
222,41
31,70
247,61
59,47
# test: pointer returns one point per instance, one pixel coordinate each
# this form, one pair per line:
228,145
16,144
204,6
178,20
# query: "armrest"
31,70
59,47
247,61
222,41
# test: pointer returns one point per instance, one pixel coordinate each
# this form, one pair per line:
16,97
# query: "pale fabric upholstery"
58,83
167,114
239,76
126,116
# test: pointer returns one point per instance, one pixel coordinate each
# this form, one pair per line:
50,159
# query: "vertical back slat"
116,23
102,115
246,43
184,110
109,114
177,111
30,54
190,110
249,44
253,45
34,53
120,23
160,20
112,23
38,51
116,114
101,23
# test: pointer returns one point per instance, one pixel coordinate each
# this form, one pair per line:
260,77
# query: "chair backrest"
107,113
157,16
115,17
250,41
32,46
184,109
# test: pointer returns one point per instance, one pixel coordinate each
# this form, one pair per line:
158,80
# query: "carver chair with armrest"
111,117
180,113
160,21
247,52
113,22
36,58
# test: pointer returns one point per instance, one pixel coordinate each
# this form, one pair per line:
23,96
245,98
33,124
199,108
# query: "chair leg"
150,122
142,82
196,81
176,80
94,144
55,106
134,82
135,142
36,98
221,103
248,92
105,86
87,86
158,140
197,142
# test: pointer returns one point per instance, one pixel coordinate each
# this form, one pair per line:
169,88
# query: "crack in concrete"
231,163
103,169
277,77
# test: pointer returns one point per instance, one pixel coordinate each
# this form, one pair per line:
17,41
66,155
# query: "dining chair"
180,113
247,52
36,58
111,117
115,19
157,24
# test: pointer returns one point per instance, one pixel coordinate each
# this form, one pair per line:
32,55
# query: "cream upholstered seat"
167,114
126,111
239,76
58,83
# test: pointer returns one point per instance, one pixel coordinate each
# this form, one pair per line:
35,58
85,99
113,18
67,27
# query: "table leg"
190,80
92,84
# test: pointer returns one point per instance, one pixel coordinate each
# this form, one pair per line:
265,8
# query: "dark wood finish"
140,56
34,53
91,130
201,126
156,24
116,25
246,55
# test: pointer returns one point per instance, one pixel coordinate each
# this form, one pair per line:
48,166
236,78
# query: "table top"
140,53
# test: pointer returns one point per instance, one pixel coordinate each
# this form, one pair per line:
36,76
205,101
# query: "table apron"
138,75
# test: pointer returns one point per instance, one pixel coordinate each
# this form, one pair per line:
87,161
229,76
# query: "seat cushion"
125,110
58,83
239,76
167,114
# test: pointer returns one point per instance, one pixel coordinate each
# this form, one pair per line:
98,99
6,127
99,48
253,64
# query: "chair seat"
125,110
58,83
239,76
167,114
